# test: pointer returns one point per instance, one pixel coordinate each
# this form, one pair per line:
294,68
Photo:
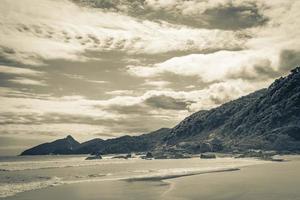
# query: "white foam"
11,189
59,163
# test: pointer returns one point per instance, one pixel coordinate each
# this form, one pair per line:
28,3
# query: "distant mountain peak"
69,137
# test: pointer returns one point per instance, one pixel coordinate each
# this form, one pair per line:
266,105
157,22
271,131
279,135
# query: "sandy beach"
272,181
268,181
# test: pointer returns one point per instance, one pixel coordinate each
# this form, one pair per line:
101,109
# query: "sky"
107,68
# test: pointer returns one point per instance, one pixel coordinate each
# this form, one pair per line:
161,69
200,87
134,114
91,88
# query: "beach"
221,178
270,181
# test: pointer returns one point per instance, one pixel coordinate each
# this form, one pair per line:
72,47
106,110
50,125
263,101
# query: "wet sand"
271,181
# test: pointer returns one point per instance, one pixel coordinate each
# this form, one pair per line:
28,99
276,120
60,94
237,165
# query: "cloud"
19,71
70,105
51,130
120,92
226,63
190,101
211,14
27,81
37,34
157,84
289,59
263,53
166,102
80,77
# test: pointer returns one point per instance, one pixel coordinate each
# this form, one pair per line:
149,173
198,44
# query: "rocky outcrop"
62,146
267,119
95,157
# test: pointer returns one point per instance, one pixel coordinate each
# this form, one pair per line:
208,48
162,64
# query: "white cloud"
19,71
120,92
216,66
212,96
158,84
262,51
48,30
79,77
27,81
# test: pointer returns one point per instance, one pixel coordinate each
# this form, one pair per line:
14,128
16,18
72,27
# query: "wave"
11,189
36,165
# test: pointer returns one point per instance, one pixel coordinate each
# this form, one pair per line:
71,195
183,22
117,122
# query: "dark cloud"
136,122
289,59
166,102
130,110
233,17
225,16
261,71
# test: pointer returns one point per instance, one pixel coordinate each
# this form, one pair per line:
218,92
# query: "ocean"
25,173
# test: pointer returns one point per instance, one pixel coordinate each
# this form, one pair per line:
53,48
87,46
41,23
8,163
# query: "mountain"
91,146
61,146
267,119
124,144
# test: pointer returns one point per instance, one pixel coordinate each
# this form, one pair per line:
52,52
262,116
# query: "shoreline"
163,176
159,175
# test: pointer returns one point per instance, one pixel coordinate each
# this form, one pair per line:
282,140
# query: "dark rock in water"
277,159
208,156
96,157
129,156
61,146
259,154
149,155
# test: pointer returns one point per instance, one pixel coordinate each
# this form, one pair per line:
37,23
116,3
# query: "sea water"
26,173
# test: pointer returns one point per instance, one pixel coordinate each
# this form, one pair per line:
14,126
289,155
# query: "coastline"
141,172
177,183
